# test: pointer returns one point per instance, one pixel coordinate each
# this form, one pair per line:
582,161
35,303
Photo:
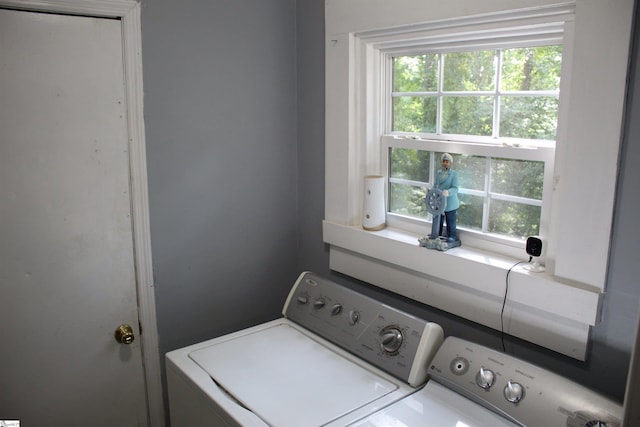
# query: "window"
365,136
490,96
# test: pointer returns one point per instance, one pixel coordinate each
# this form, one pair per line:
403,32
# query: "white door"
67,273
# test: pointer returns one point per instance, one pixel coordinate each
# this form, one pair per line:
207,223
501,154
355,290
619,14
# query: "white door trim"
129,13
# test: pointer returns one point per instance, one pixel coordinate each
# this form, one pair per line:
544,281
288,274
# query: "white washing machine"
474,386
335,357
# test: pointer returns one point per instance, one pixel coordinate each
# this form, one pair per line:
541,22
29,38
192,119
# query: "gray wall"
314,254
220,119
234,115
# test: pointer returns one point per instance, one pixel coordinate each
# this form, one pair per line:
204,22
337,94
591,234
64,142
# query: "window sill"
469,283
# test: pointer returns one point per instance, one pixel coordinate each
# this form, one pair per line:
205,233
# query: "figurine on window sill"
443,203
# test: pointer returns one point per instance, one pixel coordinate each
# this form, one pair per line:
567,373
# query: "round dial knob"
302,299
513,392
485,378
319,303
391,339
354,316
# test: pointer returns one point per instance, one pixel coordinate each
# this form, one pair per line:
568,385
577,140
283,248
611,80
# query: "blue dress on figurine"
447,181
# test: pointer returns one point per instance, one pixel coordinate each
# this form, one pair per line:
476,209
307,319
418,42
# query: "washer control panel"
522,392
392,340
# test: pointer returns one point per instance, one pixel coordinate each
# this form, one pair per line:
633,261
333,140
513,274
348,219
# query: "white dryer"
335,357
474,386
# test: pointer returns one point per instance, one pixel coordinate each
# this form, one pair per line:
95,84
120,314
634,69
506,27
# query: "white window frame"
554,309
490,146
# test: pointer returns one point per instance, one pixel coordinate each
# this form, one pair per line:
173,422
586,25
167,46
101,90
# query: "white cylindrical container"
373,210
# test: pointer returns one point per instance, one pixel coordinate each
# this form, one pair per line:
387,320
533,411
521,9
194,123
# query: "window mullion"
516,199
486,205
432,168
387,106
439,96
496,98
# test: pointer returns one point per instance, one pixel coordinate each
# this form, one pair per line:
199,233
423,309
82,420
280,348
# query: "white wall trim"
132,36
471,284
129,13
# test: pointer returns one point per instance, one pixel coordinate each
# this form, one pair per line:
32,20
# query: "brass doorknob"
124,334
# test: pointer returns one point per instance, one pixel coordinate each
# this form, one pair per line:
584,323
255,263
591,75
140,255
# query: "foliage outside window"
491,97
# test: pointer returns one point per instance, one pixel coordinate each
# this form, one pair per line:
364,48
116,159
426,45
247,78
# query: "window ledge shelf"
469,283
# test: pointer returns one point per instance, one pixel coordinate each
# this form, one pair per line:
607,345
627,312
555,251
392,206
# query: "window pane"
469,71
529,117
415,73
410,164
467,115
407,200
514,219
414,114
470,211
531,68
471,171
517,178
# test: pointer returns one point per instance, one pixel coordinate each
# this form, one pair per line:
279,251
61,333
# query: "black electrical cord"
504,301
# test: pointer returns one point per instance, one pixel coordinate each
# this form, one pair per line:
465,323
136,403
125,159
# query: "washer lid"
288,379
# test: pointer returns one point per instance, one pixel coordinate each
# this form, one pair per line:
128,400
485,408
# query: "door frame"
128,11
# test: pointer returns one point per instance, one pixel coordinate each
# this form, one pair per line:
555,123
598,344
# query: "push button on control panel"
354,316
336,309
459,366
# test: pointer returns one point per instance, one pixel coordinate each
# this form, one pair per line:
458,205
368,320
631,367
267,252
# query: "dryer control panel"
392,340
522,392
